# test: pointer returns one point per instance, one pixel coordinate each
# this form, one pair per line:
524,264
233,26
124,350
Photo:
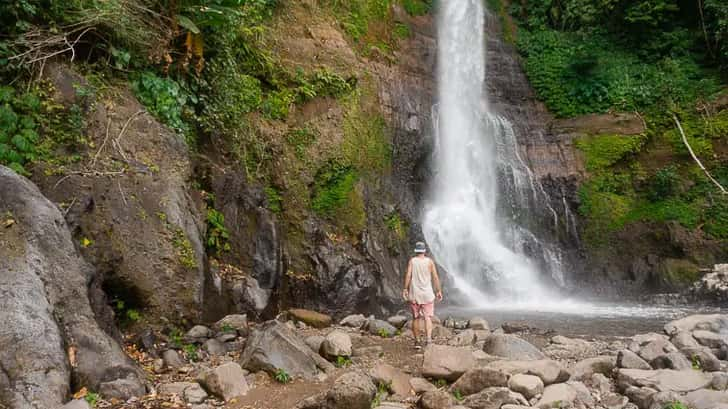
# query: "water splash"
487,252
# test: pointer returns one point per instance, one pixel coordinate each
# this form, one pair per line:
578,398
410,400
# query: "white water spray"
485,254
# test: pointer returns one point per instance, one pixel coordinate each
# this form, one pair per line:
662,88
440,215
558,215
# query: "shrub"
218,238
92,398
343,361
333,184
281,376
274,199
19,115
165,98
603,151
663,184
300,139
417,7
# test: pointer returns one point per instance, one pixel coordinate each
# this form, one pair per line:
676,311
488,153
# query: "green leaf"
187,24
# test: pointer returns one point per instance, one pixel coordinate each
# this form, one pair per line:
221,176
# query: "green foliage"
190,351
343,361
417,7
396,225
281,376
185,252
92,398
274,199
696,364
227,329
603,151
277,104
457,395
300,139
675,405
19,125
366,145
716,218
687,214
383,333
359,16
175,338
333,185
440,383
402,30
165,98
605,211
382,392
663,184
218,238
125,315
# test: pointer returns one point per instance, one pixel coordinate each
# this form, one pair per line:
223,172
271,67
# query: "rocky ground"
302,360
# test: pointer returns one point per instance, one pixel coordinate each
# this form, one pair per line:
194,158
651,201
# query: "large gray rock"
464,338
494,398
527,385
354,321
172,359
447,362
640,396
655,349
703,358
709,322
198,334
353,390
397,381
214,347
436,399
336,343
382,328
233,322
420,385
673,360
584,369
397,321
549,371
684,339
711,339
557,395
660,400
478,324
45,308
314,342
630,360
274,346
511,347
706,399
476,379
226,381
192,392
664,379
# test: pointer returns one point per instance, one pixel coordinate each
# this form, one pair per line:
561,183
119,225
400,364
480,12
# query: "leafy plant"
274,199
92,398
227,328
440,383
664,184
165,98
396,225
343,361
605,150
333,184
175,338
19,125
184,248
190,351
675,405
383,333
417,7
300,139
281,376
457,395
382,391
218,238
696,364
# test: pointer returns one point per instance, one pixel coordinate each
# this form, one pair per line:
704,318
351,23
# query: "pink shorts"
423,310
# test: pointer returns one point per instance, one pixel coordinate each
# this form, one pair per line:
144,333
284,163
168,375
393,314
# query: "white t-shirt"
420,290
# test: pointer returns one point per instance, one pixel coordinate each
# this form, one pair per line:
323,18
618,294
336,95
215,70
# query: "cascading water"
490,257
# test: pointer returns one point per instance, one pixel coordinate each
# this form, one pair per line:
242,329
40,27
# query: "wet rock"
476,379
198,334
559,394
712,286
312,318
630,360
381,328
664,379
586,368
710,322
314,342
436,399
420,385
549,371
46,309
397,321
446,362
511,347
493,398
397,381
352,390
527,385
214,347
478,324
226,381
336,343
464,338
172,359
233,322
673,360
354,321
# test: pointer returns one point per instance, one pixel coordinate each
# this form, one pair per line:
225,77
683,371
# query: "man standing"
418,282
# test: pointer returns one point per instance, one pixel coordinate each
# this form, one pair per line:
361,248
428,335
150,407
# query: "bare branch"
685,141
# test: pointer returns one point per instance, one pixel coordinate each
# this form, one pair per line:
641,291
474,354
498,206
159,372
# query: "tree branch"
685,141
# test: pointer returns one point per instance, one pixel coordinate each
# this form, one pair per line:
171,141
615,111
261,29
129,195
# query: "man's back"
421,285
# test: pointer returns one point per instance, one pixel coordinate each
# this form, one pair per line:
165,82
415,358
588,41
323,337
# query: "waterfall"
482,189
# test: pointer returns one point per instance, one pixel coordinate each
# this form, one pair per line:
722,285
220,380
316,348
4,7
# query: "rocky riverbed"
304,360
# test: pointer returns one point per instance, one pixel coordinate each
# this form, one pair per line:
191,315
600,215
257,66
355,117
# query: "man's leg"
415,323
428,311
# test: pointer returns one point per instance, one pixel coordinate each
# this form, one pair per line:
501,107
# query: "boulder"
214,347
336,343
708,322
233,322
397,321
354,321
446,362
664,379
464,338
673,360
720,381
353,390
195,393
381,328
655,349
314,342
476,379
441,332
198,334
661,400
706,399
51,304
630,360
703,358
549,371
611,400
274,346
527,385
557,395
420,385
397,381
172,359
77,404
478,323
226,381
192,392
312,318
565,348
684,339
583,395
436,399
640,396
511,347
584,369
711,339
494,398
